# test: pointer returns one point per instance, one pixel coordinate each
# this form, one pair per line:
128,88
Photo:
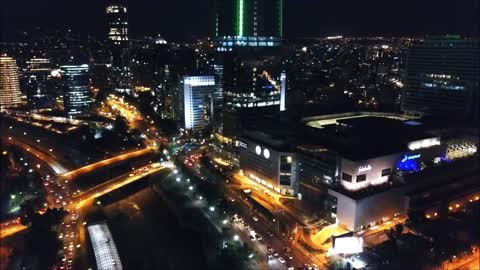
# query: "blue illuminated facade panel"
77,95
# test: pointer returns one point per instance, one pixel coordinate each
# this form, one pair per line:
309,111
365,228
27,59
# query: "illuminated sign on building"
365,168
405,158
242,144
424,143
409,163
266,153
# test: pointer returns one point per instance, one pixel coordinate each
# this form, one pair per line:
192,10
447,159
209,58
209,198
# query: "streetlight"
190,188
178,179
236,238
211,208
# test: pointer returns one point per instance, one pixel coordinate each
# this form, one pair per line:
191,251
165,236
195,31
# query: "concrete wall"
353,214
346,209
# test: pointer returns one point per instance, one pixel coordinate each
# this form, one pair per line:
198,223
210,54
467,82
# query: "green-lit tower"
249,18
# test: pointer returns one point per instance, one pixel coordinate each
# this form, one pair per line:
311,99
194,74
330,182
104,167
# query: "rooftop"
106,254
361,136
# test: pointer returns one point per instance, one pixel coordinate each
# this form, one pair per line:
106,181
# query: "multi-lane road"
253,223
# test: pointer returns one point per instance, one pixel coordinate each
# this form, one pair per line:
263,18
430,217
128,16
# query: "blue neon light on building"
409,163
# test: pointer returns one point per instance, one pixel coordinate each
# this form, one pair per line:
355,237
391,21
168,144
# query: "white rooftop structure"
104,248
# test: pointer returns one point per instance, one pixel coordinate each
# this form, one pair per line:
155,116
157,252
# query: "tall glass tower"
10,95
248,67
77,96
248,60
249,18
196,101
443,77
37,87
117,23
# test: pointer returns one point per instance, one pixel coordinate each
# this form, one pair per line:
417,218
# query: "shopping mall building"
353,167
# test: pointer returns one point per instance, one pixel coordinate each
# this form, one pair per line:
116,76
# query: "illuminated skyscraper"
10,95
443,77
117,23
249,59
196,101
248,65
249,18
117,20
37,76
77,97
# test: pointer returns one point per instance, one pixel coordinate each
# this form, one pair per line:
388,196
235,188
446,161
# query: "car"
315,267
275,253
259,238
255,218
287,249
282,260
270,249
251,238
288,256
308,266
270,234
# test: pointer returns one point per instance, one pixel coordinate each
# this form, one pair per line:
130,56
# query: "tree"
26,212
395,232
334,263
168,127
42,240
416,219
120,125
86,133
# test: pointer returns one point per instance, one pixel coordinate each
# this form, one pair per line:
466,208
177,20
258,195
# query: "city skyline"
239,135
302,19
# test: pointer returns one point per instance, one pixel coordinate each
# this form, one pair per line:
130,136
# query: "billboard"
348,245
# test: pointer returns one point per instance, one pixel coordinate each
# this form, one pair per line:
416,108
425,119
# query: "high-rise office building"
443,77
197,101
10,95
248,65
100,69
37,83
77,96
117,20
253,79
117,23
249,18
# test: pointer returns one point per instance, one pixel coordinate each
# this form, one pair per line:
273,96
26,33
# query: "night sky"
183,19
